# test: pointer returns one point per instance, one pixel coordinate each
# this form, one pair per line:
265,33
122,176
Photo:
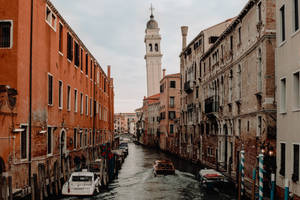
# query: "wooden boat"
82,183
163,167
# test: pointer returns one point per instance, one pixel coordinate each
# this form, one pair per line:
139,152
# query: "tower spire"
151,9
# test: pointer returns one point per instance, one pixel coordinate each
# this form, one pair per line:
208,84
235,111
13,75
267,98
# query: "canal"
137,182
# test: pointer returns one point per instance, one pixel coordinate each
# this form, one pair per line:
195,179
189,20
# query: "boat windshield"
82,178
164,165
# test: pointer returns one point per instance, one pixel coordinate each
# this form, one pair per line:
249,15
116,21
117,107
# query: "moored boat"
82,183
163,167
210,178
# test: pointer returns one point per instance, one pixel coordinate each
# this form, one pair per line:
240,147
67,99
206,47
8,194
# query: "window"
282,159
231,43
90,137
91,107
162,88
248,126
240,35
50,18
259,12
230,86
150,47
259,71
259,126
69,47
283,95
172,115
239,88
91,68
197,92
156,47
80,138
282,21
75,100
68,98
50,89
86,105
295,176
296,90
172,102
81,59
24,143
49,140
81,103
172,84
105,85
86,138
5,34
60,94
86,64
296,15
75,138
60,40
171,128
239,127
76,54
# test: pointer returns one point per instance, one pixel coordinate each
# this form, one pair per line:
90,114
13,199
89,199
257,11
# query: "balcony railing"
188,88
211,105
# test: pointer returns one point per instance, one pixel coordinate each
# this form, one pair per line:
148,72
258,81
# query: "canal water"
137,182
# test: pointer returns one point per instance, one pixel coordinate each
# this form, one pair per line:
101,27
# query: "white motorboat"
82,184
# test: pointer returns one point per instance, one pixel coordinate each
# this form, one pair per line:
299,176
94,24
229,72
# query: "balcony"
188,87
211,105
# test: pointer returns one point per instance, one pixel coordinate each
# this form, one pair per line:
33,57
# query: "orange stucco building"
56,101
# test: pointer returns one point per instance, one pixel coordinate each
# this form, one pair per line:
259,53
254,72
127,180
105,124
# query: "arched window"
156,47
150,47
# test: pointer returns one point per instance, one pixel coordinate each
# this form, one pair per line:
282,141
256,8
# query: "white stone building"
288,95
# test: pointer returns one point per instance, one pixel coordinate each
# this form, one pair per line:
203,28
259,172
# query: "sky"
114,31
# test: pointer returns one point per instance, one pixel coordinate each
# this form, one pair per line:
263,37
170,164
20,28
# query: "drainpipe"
94,107
30,95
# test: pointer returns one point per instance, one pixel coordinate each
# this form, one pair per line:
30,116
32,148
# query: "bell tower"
153,56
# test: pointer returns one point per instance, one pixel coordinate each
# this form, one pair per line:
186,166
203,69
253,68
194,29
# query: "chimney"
184,32
108,71
164,73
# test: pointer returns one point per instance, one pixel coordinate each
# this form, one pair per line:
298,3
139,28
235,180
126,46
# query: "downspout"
94,107
30,95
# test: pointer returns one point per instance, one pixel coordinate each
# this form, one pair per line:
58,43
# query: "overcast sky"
114,31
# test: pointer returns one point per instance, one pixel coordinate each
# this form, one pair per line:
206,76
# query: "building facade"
169,111
288,96
56,102
125,123
153,56
229,102
190,116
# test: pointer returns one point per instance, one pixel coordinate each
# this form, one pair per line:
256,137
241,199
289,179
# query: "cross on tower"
151,9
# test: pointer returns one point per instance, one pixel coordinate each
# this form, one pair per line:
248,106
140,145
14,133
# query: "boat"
211,179
124,146
82,183
163,167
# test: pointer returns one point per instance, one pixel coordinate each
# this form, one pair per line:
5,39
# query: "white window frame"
48,89
61,93
79,47
296,91
281,109
69,98
11,34
27,143
86,105
81,103
50,154
279,164
91,107
75,100
294,17
60,52
292,158
49,21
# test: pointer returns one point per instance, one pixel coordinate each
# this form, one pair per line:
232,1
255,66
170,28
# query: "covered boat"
81,184
210,178
163,167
